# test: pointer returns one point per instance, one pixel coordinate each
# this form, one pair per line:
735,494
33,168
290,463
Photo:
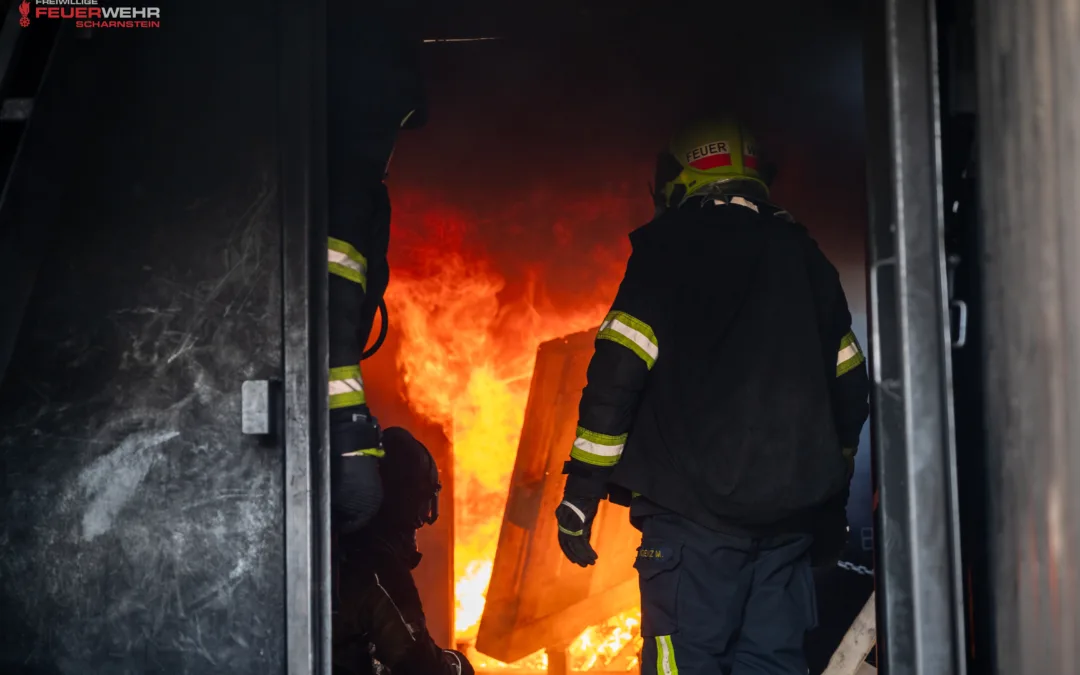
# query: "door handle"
960,336
258,401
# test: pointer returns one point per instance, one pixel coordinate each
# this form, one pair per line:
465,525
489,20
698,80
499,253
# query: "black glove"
458,664
355,449
575,515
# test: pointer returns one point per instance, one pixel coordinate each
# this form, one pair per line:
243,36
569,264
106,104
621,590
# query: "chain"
857,569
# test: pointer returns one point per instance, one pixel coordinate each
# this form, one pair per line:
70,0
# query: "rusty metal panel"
537,599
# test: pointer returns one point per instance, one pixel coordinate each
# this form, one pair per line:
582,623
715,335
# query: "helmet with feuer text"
712,154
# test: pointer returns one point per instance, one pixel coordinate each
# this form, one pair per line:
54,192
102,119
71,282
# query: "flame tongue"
466,360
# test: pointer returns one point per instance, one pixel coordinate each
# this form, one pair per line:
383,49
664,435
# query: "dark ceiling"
695,20
630,59
576,98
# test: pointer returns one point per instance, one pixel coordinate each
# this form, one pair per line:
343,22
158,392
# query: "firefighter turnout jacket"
358,275
727,385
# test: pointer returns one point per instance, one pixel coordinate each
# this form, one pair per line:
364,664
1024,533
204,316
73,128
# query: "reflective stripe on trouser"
849,356
714,603
596,448
658,656
632,333
665,656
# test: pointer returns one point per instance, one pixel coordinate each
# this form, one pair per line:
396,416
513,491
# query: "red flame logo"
24,9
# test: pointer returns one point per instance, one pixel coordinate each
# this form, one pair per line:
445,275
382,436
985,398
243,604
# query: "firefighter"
723,405
373,92
379,623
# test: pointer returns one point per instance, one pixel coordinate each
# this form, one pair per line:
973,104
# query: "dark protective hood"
410,481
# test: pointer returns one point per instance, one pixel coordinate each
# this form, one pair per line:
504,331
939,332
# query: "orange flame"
468,347
600,646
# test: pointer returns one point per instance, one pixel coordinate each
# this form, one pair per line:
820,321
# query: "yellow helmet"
708,153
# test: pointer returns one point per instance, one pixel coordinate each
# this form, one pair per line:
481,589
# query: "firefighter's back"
735,426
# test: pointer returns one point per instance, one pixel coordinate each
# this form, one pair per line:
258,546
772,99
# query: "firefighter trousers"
715,604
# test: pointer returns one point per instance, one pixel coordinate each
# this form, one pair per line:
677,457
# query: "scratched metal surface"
140,532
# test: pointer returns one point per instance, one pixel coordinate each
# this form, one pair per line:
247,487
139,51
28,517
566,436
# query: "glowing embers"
612,647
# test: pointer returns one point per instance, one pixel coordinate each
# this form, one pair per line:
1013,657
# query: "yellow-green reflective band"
849,356
366,452
345,373
597,449
347,400
634,334
571,533
848,453
600,439
345,261
665,656
346,387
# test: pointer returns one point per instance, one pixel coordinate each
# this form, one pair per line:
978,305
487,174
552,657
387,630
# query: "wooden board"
850,656
537,599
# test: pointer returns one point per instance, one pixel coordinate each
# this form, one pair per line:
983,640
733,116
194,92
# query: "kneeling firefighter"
724,404
379,622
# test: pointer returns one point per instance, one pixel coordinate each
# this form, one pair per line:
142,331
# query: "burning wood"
537,599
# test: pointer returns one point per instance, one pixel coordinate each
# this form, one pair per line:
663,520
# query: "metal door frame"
920,607
305,424
1028,63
